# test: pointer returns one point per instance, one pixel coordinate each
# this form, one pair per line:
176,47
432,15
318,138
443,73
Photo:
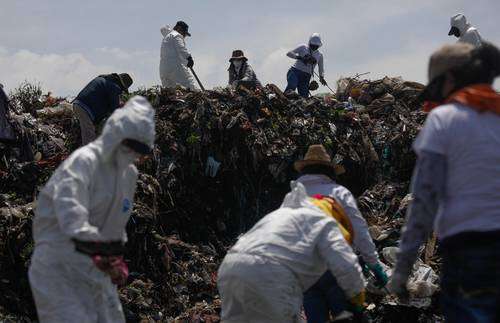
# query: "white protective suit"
321,184
263,276
468,34
303,50
89,197
173,60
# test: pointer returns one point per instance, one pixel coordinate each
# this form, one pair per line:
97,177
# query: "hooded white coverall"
89,197
468,34
263,276
173,60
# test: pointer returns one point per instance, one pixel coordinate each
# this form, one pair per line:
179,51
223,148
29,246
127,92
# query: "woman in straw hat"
240,72
318,174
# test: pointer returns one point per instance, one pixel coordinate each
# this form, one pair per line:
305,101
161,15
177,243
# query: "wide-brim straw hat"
317,155
238,54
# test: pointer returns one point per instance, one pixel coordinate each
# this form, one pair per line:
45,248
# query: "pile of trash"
223,159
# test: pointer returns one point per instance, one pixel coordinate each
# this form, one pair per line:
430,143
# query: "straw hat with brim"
446,59
317,155
238,54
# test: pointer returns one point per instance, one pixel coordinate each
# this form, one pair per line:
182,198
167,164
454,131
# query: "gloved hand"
190,62
379,273
322,80
397,285
114,266
357,303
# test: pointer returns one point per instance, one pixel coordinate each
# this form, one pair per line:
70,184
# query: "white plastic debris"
212,167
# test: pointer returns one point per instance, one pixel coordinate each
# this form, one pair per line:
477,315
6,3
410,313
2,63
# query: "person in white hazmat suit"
318,174
465,33
80,219
264,274
175,59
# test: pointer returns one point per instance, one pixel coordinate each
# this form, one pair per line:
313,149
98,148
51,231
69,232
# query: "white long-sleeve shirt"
302,51
321,184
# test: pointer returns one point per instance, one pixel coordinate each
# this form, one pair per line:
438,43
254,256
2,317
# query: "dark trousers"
470,282
298,80
323,298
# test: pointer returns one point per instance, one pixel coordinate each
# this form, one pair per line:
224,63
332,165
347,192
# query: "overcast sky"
64,43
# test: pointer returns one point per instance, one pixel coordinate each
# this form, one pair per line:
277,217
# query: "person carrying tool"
318,174
456,183
264,274
175,59
240,72
97,100
307,57
465,33
79,223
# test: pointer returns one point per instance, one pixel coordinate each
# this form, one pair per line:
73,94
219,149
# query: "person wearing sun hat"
318,173
456,183
240,72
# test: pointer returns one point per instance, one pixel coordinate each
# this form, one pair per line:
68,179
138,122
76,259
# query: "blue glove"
379,273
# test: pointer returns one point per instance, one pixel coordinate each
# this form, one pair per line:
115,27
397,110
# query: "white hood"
315,39
460,22
134,121
165,30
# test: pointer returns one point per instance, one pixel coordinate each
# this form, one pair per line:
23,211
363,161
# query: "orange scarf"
480,97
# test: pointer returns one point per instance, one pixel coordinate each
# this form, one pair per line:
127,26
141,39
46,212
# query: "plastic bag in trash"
212,167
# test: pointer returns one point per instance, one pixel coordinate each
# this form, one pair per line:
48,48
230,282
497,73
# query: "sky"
63,44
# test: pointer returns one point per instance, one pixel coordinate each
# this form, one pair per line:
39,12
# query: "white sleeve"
321,66
433,136
181,47
362,240
295,53
71,202
341,260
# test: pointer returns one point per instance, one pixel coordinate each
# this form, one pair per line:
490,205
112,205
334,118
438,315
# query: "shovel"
197,79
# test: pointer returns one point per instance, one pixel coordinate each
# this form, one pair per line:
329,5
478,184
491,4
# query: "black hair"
319,169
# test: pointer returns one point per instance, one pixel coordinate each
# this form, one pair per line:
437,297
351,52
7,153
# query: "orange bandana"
480,97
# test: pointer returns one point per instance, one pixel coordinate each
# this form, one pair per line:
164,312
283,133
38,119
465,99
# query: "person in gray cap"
456,183
175,59
465,33
97,100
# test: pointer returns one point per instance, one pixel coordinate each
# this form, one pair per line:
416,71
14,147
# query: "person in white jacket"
80,219
307,57
264,274
318,175
465,33
175,59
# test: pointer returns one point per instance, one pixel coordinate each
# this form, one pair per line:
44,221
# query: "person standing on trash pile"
241,73
307,57
97,100
318,174
456,183
80,219
465,33
175,59
264,274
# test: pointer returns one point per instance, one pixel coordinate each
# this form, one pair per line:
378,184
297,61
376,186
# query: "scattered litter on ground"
223,160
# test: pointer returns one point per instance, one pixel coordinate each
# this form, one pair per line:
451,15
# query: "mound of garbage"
223,159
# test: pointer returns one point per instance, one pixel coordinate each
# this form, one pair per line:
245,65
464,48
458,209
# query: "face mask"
237,64
125,156
313,47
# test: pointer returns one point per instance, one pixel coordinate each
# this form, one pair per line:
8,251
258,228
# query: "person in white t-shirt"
456,183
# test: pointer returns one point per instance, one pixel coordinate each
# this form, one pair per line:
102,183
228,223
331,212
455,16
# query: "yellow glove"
358,303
